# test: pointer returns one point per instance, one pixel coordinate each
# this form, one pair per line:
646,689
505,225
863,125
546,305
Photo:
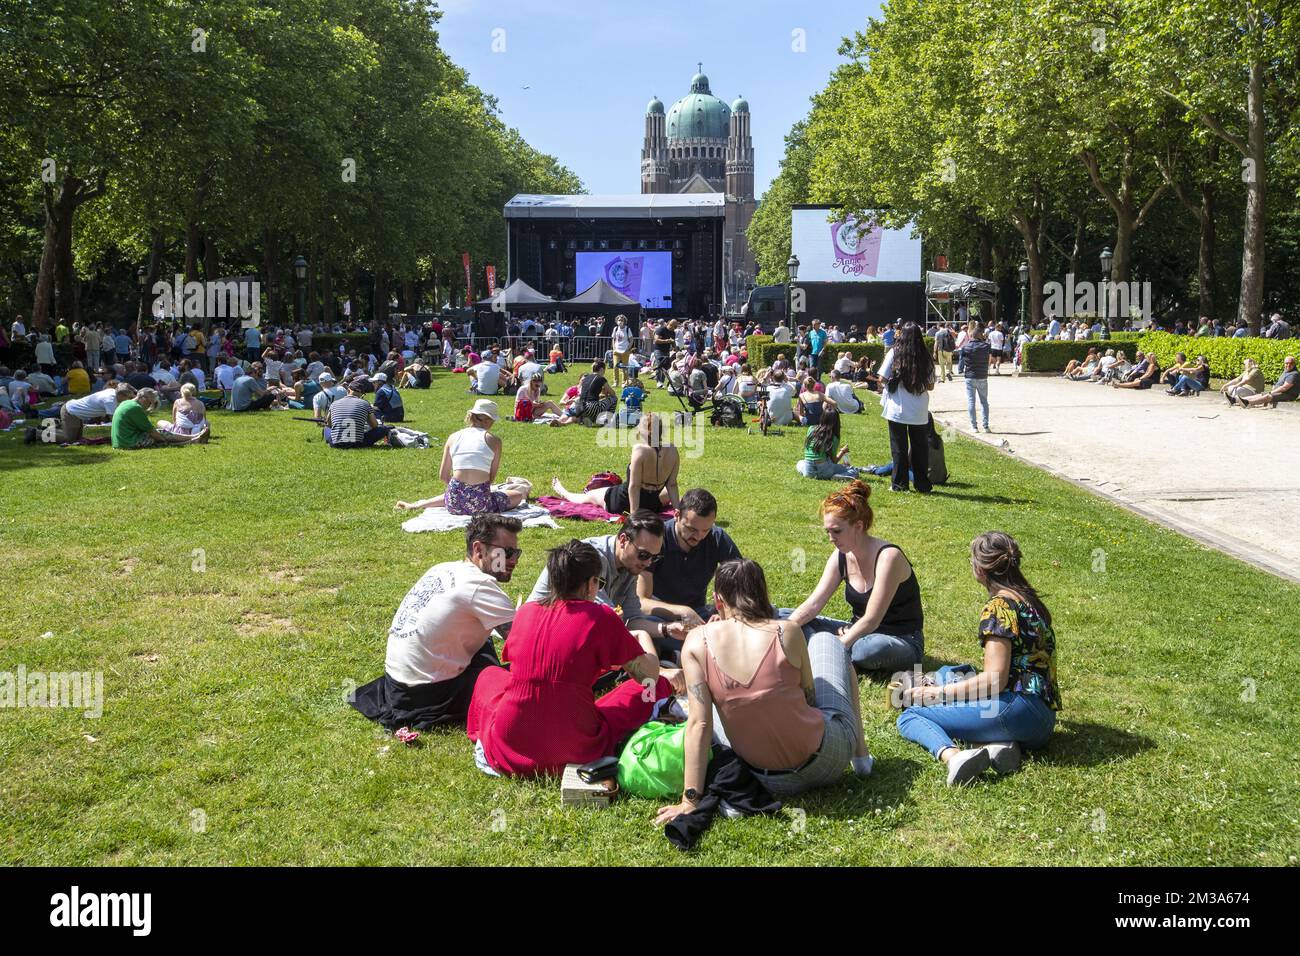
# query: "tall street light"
792,269
141,275
1024,285
300,272
1106,259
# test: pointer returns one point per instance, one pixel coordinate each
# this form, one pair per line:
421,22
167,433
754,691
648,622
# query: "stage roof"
631,206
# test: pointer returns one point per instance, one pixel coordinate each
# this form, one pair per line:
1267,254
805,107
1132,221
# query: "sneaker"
862,765
728,811
1005,758
975,428
966,766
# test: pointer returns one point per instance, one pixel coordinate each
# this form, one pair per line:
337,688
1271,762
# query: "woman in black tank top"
886,632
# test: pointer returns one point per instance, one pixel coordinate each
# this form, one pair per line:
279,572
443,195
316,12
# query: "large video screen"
851,250
644,276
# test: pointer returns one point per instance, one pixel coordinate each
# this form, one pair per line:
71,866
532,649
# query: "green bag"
653,764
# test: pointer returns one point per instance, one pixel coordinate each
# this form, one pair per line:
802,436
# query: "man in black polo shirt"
677,588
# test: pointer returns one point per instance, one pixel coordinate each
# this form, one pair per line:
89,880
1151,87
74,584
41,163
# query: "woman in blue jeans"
886,632
1013,703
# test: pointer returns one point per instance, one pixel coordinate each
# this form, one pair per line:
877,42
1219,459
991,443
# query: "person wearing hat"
352,420
388,402
329,391
471,460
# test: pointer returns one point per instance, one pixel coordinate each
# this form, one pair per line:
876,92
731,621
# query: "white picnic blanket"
440,519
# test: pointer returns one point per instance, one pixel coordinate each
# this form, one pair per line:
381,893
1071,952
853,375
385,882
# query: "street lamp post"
1107,257
300,273
1024,285
792,270
141,275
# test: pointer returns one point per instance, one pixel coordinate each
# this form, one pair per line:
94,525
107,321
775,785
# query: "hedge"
1226,355
763,351
1054,356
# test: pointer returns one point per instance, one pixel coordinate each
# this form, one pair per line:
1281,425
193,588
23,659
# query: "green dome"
698,114
740,106
654,106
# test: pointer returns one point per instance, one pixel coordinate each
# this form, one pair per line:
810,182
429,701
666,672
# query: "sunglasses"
643,555
510,553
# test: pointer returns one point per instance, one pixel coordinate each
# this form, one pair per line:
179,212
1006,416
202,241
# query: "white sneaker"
862,765
966,766
1005,758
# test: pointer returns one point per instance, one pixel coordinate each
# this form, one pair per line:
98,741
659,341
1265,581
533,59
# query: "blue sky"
575,75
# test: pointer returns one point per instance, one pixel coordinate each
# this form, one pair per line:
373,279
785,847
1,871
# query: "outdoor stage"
664,250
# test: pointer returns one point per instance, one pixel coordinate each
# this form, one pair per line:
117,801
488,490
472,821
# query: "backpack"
401,437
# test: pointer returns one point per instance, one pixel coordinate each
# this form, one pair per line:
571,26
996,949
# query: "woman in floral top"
1013,703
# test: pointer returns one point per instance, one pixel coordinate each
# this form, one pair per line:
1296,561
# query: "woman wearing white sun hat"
471,460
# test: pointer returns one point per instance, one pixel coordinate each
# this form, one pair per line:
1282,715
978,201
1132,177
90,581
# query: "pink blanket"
584,512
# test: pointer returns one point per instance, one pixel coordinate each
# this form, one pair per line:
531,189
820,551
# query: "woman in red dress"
541,714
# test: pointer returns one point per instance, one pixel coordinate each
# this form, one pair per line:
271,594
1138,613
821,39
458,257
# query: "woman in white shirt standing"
907,378
470,462
621,346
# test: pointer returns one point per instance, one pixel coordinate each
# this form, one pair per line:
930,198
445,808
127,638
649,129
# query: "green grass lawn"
226,737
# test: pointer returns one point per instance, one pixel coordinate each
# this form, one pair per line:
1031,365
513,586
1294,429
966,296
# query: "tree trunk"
271,267
309,315
211,259
1252,247
354,300
66,305
379,301
44,277
1029,226
1207,279
154,269
412,304
327,293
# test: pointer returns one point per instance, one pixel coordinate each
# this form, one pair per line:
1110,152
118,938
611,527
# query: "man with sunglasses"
441,636
676,589
636,548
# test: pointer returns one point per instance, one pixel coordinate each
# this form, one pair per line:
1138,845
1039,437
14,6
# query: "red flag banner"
492,280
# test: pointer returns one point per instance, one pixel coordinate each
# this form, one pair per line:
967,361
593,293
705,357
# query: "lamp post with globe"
1106,259
792,270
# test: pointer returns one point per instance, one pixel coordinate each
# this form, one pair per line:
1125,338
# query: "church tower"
654,153
740,153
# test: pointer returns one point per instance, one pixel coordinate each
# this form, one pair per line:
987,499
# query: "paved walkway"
1228,477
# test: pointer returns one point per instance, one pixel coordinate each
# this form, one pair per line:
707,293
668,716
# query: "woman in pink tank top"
794,730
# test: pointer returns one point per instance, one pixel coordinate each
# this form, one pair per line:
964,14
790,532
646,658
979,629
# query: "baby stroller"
727,411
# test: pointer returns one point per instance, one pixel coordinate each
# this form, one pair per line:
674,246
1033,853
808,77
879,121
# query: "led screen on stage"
644,276
850,251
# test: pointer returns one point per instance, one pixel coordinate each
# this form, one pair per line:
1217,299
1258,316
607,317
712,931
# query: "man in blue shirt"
816,343
388,402
122,344
253,342
250,393
974,357
677,588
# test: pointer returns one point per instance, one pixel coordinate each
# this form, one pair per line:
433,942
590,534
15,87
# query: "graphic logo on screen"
857,251
625,275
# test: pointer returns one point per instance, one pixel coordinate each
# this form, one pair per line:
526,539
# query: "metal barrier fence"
576,348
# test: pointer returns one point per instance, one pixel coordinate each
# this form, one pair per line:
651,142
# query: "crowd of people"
778,687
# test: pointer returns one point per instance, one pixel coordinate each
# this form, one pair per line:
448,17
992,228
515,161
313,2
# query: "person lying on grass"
441,636
789,707
1013,702
132,428
540,715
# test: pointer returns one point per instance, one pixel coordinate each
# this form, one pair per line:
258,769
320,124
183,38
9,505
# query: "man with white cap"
388,401
329,391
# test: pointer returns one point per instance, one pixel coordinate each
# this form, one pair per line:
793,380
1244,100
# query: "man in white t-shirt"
780,399
95,408
441,636
485,377
782,333
227,372
841,393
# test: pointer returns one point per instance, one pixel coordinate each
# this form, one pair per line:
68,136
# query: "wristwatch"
691,795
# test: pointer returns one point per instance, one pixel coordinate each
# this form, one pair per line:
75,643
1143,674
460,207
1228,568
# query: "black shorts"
617,500
421,706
